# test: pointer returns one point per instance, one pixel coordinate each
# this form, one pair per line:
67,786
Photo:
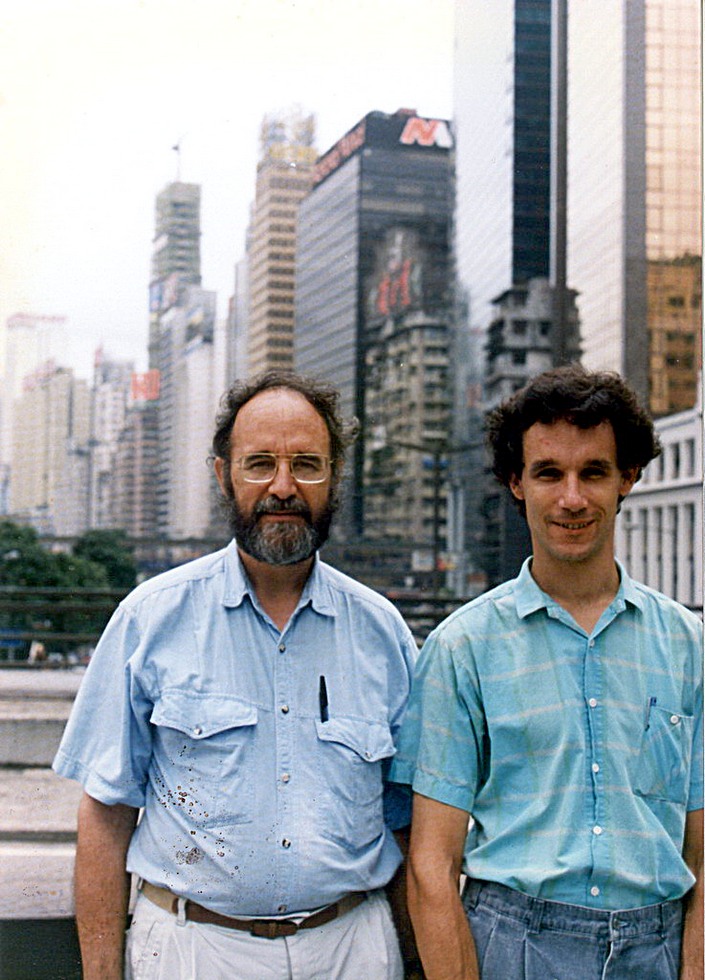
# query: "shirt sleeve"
695,794
440,750
107,742
397,799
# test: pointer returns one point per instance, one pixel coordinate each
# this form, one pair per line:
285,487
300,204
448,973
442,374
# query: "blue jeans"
523,938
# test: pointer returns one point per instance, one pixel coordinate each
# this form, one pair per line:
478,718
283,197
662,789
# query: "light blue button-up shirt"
577,755
258,800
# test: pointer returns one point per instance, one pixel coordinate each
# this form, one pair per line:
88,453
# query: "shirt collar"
237,584
529,597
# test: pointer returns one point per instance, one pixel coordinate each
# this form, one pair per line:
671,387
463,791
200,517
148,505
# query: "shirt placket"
594,692
285,718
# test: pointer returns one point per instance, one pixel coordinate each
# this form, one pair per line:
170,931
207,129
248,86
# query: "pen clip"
323,698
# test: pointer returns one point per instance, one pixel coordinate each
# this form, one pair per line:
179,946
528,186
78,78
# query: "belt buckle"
271,929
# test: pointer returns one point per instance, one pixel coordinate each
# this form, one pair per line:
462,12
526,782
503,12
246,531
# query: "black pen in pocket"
651,702
323,698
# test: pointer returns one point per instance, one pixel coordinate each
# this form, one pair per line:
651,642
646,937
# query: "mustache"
273,505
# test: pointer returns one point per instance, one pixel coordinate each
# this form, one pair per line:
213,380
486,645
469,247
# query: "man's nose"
572,496
283,484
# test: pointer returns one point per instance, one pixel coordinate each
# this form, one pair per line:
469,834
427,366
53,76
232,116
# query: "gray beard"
284,543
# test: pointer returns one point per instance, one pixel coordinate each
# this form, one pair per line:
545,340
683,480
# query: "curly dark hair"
581,397
323,397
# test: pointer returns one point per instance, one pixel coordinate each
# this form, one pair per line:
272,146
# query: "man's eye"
547,474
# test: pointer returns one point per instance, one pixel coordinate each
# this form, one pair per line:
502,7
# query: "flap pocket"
370,740
664,759
202,715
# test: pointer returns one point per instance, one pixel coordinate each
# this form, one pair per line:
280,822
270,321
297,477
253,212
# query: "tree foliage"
112,550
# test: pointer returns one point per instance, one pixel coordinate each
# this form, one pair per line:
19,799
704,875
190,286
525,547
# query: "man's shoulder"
206,567
343,584
666,608
482,614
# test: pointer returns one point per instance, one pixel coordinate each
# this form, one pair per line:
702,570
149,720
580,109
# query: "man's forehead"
277,408
549,438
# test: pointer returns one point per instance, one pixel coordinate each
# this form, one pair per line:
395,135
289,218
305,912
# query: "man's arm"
443,936
692,946
102,886
396,893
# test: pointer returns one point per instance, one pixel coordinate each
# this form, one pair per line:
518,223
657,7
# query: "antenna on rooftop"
177,149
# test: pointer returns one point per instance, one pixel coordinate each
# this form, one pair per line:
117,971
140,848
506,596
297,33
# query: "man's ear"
219,468
516,487
629,478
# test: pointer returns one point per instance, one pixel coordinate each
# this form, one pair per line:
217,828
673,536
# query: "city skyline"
94,97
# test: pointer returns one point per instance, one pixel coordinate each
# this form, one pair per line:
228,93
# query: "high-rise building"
49,476
503,244
109,404
373,316
30,341
133,497
182,329
634,201
502,114
284,177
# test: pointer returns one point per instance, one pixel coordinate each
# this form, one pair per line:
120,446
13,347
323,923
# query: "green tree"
26,564
112,550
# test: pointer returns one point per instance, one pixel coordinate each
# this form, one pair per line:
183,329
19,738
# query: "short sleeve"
440,748
695,794
106,745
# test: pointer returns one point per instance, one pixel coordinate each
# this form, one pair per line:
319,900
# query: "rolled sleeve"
107,742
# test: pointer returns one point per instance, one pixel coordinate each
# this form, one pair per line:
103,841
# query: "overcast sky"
94,94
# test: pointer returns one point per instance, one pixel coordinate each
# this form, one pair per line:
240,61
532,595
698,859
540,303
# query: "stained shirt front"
259,756
577,754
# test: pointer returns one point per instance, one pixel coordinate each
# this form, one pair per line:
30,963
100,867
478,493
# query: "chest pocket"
663,766
351,753
206,756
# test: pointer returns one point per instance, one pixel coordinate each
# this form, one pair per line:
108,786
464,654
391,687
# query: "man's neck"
278,587
584,589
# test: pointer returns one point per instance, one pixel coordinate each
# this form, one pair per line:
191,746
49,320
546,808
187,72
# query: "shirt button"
675,719
282,647
597,830
285,709
593,702
595,767
282,908
594,891
198,730
286,842
285,777
591,643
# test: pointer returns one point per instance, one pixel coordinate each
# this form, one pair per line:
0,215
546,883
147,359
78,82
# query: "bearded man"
248,703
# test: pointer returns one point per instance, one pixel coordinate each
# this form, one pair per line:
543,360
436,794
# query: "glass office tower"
373,310
634,191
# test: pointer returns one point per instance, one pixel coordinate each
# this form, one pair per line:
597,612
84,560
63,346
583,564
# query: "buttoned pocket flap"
202,715
370,740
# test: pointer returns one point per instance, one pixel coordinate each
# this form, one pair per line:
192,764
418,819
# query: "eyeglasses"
262,467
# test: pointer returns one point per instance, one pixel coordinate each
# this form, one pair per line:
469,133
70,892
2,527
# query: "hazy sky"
94,94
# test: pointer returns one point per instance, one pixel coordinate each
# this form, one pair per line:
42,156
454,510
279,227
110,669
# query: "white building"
193,413
109,402
50,452
660,529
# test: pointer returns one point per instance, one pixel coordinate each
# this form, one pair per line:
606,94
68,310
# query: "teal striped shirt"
577,755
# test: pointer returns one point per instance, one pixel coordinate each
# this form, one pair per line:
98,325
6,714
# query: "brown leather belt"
264,928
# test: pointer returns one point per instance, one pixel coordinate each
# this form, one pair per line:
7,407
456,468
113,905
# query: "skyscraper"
373,315
502,109
284,177
634,205
506,327
182,318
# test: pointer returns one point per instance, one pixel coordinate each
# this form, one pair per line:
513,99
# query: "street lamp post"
437,451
